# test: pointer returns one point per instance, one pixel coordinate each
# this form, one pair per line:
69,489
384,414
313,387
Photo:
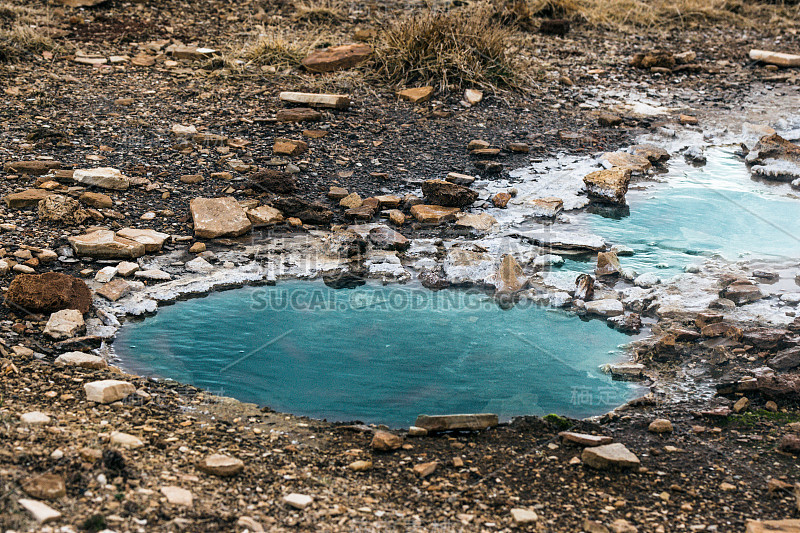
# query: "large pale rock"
264,216
177,496
383,441
34,418
298,501
384,238
608,456
448,194
545,207
606,308
81,359
152,240
476,221
472,422
105,244
40,512
45,487
64,324
334,101
607,264
49,292
108,390
773,526
660,425
337,57
26,199
624,160
608,185
218,217
775,58
509,278
584,439
434,214
114,289
104,177
523,516
221,465
125,440
32,168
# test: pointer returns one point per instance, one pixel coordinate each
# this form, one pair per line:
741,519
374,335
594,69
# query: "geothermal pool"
379,354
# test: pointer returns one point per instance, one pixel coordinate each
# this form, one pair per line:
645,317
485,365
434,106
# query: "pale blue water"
700,212
379,354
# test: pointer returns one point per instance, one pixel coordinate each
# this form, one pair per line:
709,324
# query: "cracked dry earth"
145,456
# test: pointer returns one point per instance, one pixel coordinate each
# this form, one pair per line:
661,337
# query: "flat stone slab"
105,244
219,217
103,177
26,199
33,168
434,214
609,456
471,422
563,240
81,359
221,465
333,101
177,496
584,439
108,390
152,240
40,512
337,57
773,526
298,501
775,58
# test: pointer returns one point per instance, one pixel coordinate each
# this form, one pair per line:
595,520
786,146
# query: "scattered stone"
775,58
263,216
218,217
64,324
114,290
45,487
104,177
40,512
652,153
298,501
34,418
608,264
519,148
177,496
509,278
467,422
416,95
397,217
60,209
660,425
385,238
523,516
383,441
608,185
787,359
415,431
298,114
434,214
334,101
289,147
125,440
31,168
108,391
105,244
773,526
658,59
608,119
545,207
476,221
605,307
447,194
153,274
473,96
49,292
337,193
126,268
742,293
152,240
424,470
584,439
626,161
337,57
501,199
309,213
351,201
221,465
608,456
584,287
198,264
460,179
26,199
741,404
626,370
81,359
360,466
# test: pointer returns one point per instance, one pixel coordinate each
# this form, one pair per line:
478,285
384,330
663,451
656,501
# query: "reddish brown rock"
337,57
447,194
289,147
45,487
33,168
501,199
383,441
298,114
47,293
416,95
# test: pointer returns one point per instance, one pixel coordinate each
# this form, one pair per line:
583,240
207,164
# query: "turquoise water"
697,213
379,354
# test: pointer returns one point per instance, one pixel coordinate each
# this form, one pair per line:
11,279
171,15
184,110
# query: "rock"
360,466
519,148
64,324
460,179
466,422
627,323
337,193
191,179
509,278
81,359
104,177
308,213
605,307
608,119
473,96
61,210
771,406
397,217
652,153
34,418
786,359
773,526
351,201
125,440
688,120
152,240
448,194
298,114
476,221
607,264
660,425
114,290
192,53
583,439
416,95
108,391
105,274
790,444
501,199
264,216
609,456
434,214
364,212
26,199
249,524
218,217
337,57
424,470
197,265
584,287
40,512
608,186
741,293
721,329
334,101
345,244
221,465
47,293
545,207
620,525
177,496
523,516
105,244
153,274
271,180
387,201
126,268
31,168
625,161
477,144
773,147
289,147
383,441
647,280
656,59
775,58
741,404
415,431
45,487
626,370
298,501
385,238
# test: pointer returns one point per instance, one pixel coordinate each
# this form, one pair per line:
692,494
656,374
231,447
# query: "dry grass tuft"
320,11
21,39
453,49
272,48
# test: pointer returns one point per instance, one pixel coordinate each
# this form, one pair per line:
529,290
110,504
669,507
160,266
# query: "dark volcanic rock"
47,293
309,213
271,180
446,194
